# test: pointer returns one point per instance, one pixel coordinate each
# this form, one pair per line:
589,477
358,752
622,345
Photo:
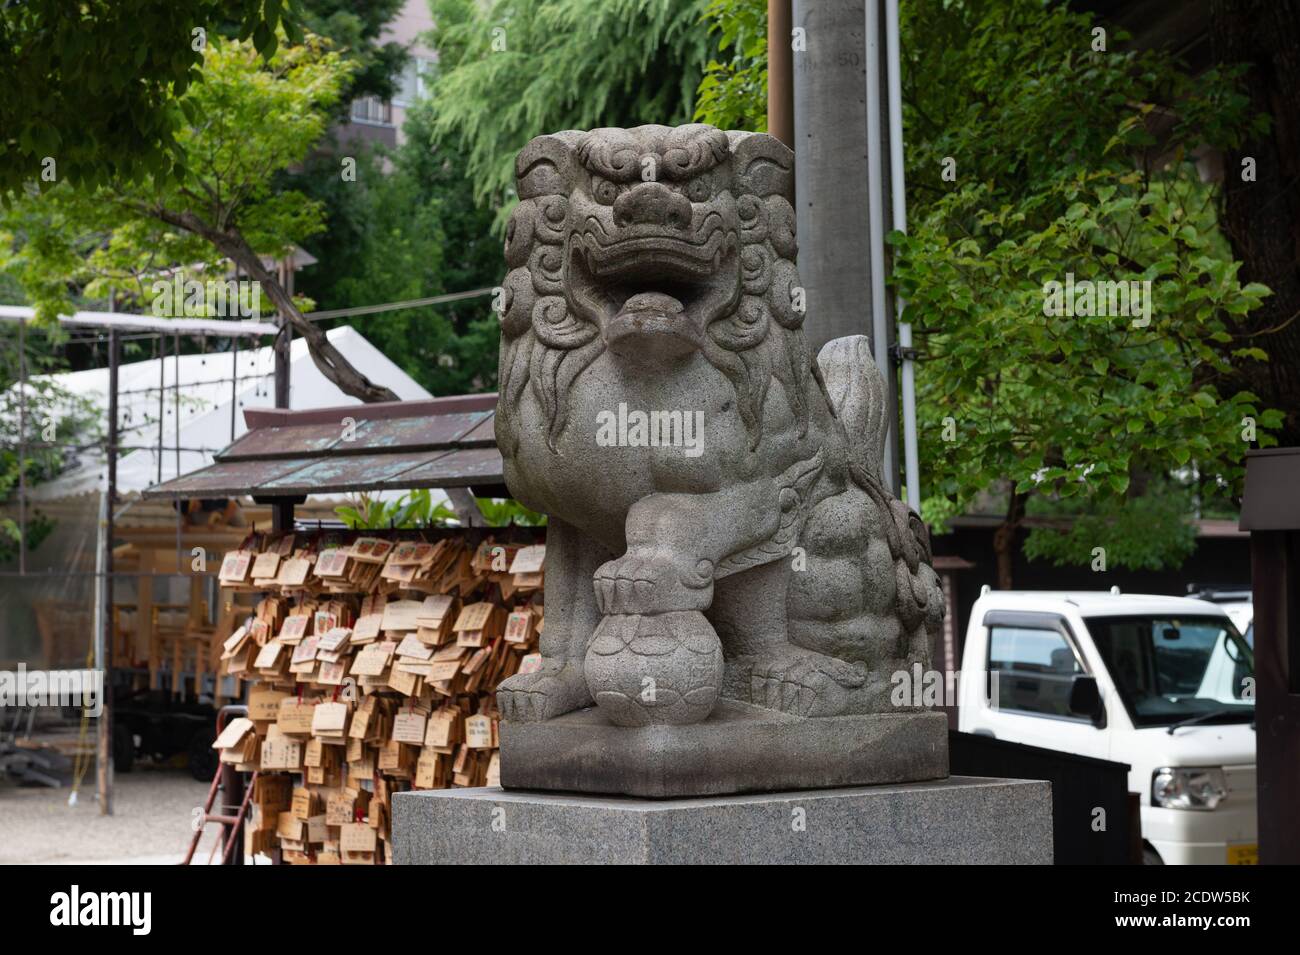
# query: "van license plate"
1243,854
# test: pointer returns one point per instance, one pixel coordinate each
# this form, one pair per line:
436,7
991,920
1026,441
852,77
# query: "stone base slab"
956,820
740,748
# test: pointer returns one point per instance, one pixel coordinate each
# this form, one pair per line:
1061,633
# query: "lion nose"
652,203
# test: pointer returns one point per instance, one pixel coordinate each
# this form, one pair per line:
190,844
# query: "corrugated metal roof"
441,442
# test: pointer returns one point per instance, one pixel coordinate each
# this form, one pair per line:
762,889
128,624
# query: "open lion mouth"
653,294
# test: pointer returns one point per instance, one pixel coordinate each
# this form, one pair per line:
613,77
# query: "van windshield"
1168,669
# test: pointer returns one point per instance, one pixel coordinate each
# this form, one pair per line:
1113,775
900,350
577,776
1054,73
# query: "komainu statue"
719,530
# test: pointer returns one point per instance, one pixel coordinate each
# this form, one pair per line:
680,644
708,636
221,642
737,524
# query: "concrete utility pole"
830,130
835,151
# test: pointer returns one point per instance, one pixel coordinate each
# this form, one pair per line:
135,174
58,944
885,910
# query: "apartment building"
375,120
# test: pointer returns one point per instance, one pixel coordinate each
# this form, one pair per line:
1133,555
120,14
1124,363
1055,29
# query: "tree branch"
231,243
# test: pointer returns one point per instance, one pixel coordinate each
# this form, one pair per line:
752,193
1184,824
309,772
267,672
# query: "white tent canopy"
205,406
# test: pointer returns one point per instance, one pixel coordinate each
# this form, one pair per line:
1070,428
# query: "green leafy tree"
1147,531
41,428
512,69
1061,161
90,88
355,30
733,91
1072,406
411,232
249,119
1029,156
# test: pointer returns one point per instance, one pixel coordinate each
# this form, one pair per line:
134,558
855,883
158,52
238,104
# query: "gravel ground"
152,811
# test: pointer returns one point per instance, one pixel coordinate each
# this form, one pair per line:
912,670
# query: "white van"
1165,684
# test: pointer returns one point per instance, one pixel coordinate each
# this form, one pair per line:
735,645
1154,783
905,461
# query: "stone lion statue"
718,525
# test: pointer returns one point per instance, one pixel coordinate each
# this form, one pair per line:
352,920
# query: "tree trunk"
1262,218
330,361
1004,540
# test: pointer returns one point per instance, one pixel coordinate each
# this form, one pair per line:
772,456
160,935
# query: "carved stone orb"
645,669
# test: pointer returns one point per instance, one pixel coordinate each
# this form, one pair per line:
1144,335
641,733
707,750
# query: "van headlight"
1186,787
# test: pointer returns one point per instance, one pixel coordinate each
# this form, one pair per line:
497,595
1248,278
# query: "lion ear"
545,166
762,165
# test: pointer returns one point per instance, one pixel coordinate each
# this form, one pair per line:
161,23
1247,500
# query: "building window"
413,84
372,109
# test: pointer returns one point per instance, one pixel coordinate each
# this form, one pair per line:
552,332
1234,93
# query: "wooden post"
1270,510
282,510
780,75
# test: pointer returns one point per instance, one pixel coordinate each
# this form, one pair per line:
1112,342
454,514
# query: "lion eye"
604,191
698,190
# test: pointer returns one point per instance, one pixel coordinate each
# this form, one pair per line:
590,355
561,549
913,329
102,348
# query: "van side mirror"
1085,699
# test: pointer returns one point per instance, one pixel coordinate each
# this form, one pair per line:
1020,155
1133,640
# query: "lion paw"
653,581
805,683
557,688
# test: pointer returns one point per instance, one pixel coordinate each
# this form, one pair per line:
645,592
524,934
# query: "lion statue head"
655,243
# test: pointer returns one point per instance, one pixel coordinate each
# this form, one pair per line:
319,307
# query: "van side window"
1035,669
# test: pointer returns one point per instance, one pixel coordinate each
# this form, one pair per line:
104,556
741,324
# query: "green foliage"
11,292
426,226
416,509
412,509
409,233
733,92
1013,92
1058,170
502,512
1071,405
56,422
39,526
1148,531
247,120
512,69
354,29
92,84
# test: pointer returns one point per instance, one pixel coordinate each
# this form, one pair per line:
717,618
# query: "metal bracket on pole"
899,354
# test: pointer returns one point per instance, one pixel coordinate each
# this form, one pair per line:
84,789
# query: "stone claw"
653,581
557,688
805,683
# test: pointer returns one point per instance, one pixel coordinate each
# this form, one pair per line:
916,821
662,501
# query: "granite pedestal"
956,820
739,748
